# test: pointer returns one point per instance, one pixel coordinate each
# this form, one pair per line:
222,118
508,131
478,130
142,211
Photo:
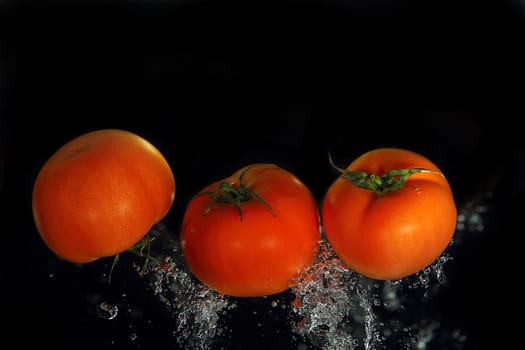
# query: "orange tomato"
390,214
100,193
251,233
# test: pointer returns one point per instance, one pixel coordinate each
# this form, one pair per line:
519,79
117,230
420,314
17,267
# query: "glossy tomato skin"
261,254
393,235
100,193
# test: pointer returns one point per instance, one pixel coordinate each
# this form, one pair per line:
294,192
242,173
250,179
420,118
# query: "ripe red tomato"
100,193
390,214
251,233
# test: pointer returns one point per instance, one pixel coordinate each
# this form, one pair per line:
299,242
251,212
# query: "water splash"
322,301
196,309
336,308
332,306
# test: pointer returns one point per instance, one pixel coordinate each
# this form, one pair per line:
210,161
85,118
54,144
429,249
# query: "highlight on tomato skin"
100,193
389,214
250,234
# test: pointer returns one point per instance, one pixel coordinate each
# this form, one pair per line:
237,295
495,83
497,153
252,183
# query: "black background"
217,85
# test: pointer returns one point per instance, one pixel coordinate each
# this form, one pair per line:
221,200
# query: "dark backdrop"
219,84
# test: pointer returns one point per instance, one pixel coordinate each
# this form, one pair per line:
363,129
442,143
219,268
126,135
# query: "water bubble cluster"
322,301
337,308
471,215
196,308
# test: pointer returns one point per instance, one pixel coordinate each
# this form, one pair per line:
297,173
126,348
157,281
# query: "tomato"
251,233
100,193
390,214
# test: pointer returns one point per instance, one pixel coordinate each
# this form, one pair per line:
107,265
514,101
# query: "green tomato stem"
391,181
116,258
235,194
138,250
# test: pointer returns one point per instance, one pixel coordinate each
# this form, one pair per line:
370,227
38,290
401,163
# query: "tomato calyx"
141,249
391,181
235,193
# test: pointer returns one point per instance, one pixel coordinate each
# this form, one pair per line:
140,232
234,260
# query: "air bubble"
107,311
